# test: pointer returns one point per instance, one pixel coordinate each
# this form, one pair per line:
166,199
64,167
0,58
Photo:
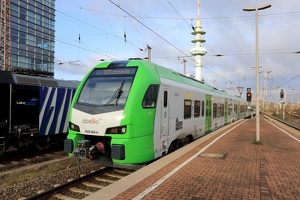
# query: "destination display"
114,71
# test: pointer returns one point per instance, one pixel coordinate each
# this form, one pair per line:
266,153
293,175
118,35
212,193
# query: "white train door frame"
164,126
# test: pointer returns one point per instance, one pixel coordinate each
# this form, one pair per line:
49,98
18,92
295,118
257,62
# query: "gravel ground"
28,182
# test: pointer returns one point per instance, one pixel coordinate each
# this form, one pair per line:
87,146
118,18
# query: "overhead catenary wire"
85,48
286,82
179,14
148,28
290,62
96,28
192,18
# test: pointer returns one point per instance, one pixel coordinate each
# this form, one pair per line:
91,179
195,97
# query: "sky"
90,31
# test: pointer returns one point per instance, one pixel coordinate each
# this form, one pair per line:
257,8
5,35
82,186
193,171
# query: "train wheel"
173,147
42,143
57,140
190,139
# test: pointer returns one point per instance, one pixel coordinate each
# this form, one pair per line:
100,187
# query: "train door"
226,112
164,128
208,119
5,106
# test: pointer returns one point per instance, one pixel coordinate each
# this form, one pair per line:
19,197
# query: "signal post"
249,98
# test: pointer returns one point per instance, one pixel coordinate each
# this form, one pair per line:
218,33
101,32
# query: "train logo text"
91,121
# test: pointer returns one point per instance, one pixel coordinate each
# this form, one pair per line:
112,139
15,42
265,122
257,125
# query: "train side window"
222,110
165,98
149,100
219,110
202,108
197,108
215,110
187,109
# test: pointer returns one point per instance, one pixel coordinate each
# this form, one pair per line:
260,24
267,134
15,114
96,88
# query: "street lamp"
256,9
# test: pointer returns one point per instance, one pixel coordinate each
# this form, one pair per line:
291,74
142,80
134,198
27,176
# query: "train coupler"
85,151
82,149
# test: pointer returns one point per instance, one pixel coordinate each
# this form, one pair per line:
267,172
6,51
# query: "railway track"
84,186
293,125
296,115
13,163
13,154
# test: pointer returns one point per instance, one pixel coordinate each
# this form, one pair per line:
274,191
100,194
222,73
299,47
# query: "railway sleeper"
89,184
77,190
114,175
64,197
104,180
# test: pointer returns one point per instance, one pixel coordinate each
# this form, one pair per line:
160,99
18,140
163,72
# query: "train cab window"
165,98
149,100
187,109
107,87
197,106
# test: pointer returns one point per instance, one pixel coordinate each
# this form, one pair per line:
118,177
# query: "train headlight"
73,127
123,129
116,130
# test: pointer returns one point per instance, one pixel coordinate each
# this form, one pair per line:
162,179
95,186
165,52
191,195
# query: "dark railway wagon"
33,110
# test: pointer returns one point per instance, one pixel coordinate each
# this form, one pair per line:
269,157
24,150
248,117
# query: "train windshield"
107,87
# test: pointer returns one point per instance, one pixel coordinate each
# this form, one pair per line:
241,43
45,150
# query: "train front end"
109,121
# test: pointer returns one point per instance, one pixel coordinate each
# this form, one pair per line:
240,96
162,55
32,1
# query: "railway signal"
249,95
281,94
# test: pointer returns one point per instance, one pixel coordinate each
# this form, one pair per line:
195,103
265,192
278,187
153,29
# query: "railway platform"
224,164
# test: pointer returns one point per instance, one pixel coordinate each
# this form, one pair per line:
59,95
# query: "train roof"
178,77
12,78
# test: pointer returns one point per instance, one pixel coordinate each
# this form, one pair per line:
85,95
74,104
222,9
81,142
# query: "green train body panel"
139,141
140,149
226,112
208,120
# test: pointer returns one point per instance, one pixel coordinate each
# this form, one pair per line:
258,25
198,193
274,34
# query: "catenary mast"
198,51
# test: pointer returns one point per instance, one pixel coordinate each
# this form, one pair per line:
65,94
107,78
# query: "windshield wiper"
116,96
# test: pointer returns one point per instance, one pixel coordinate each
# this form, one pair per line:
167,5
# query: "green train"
133,111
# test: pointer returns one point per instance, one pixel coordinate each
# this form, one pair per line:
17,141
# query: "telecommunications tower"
198,51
